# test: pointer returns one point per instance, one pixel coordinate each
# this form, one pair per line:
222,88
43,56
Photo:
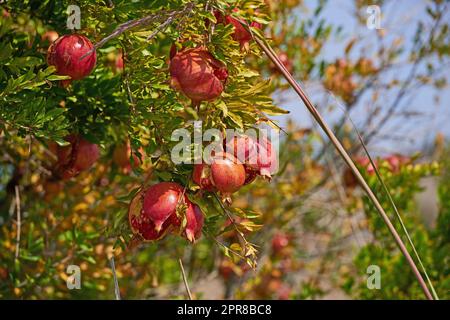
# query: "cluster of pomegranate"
73,56
196,73
245,158
78,156
164,208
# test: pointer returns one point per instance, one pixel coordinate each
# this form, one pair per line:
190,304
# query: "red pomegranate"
66,55
240,34
122,157
227,173
279,242
194,222
258,156
201,176
161,201
197,74
141,225
78,156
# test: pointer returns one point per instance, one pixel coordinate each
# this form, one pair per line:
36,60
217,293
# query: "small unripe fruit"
197,74
66,55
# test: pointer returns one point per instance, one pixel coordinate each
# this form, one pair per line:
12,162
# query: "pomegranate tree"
197,74
66,54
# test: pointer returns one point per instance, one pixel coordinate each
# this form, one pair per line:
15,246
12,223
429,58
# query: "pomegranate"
4,274
66,55
259,157
194,222
197,74
279,242
80,155
161,201
396,161
285,61
284,292
227,173
140,224
122,157
240,34
201,176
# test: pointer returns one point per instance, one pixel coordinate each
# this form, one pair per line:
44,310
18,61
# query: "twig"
19,222
141,22
317,116
116,282
186,285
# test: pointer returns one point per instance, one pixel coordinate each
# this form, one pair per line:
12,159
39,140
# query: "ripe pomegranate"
161,201
259,157
197,74
194,222
279,242
122,157
141,225
201,176
65,54
240,34
227,173
80,155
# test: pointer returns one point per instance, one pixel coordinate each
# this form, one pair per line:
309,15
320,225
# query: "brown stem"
309,105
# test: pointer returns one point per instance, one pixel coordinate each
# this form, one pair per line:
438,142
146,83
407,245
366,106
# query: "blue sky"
399,18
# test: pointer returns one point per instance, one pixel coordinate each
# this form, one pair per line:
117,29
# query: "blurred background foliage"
314,230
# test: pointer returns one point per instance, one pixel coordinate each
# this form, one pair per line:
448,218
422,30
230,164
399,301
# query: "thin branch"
19,222
318,117
161,16
116,282
186,285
